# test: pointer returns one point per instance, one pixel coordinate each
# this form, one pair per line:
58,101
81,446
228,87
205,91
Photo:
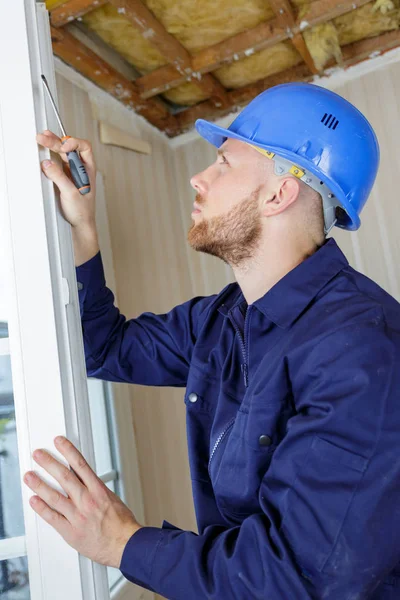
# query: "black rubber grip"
78,173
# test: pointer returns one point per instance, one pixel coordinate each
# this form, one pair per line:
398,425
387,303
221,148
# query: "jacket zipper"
246,383
219,440
244,366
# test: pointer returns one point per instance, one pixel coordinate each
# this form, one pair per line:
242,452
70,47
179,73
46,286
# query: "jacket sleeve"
149,350
329,502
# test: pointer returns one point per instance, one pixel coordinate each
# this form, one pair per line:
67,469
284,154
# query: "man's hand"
79,211
92,519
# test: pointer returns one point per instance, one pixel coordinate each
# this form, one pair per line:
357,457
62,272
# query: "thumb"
55,173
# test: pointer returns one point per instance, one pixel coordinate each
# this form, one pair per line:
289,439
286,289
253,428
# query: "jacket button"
264,440
192,397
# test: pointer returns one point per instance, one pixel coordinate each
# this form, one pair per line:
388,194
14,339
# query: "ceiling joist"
265,35
74,9
285,15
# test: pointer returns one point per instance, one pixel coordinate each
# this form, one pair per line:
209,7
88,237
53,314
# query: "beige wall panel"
208,274
376,244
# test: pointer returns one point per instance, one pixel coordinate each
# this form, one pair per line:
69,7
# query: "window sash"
109,476
13,547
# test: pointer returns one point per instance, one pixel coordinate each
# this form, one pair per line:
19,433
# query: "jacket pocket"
237,470
317,502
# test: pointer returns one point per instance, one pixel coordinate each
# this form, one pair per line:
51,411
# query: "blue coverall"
293,428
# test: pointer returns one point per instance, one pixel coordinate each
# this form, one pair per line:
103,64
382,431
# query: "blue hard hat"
316,129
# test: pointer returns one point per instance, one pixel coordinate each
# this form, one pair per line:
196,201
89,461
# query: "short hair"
314,220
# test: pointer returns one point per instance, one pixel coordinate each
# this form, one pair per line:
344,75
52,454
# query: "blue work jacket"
293,428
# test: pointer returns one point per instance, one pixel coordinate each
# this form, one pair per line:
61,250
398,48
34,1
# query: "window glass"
14,579
101,436
11,514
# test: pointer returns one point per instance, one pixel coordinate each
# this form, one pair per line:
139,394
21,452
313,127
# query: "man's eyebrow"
220,152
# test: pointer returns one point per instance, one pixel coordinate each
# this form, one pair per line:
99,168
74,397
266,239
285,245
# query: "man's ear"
286,191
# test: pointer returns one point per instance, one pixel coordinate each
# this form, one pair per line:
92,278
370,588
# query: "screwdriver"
78,171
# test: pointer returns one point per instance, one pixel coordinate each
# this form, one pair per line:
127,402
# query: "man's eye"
224,161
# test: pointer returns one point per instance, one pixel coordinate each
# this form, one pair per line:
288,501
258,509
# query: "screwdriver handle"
78,171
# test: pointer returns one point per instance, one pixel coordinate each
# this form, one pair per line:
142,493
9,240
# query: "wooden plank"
326,10
176,54
359,51
286,17
245,43
74,9
284,12
265,35
90,65
214,88
352,54
116,137
299,43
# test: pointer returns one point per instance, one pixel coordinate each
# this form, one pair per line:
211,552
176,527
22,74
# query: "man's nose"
198,183
201,182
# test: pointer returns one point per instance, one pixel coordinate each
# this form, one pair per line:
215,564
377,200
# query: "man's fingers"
52,142
49,140
52,497
54,172
78,463
52,517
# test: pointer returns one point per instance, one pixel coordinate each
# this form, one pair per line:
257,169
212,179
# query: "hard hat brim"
217,135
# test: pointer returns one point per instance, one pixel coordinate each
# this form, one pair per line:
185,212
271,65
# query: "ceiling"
174,61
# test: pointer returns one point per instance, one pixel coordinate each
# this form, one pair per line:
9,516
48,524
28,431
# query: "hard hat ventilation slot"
330,121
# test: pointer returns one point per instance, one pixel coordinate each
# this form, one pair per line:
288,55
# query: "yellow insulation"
198,24
323,44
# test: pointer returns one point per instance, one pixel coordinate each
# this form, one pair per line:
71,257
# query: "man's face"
228,223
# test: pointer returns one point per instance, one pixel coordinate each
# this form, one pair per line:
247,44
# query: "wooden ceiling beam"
286,17
322,11
352,54
368,48
91,66
265,35
171,49
73,9
245,43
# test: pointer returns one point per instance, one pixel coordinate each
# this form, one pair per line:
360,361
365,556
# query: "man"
292,373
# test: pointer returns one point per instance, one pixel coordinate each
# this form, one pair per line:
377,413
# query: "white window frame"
50,388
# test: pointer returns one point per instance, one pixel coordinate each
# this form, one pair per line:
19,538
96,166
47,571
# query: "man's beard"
233,237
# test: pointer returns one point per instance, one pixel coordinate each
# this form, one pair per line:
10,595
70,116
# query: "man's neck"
270,265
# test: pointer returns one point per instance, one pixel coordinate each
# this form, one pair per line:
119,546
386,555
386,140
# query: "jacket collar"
287,299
